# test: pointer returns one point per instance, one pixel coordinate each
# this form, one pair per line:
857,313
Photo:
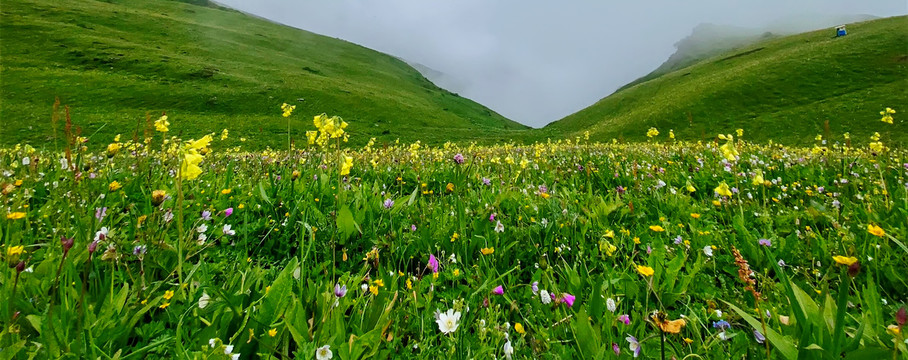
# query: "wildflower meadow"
147,245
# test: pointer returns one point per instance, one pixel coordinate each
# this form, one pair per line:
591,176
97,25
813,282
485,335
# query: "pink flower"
626,319
492,217
499,290
568,299
433,263
228,212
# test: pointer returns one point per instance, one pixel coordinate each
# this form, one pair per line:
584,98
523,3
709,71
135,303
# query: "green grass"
209,69
783,89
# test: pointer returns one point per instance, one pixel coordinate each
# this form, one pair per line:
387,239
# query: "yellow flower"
168,294
671,134
518,327
164,305
456,272
645,270
14,250
113,148
656,228
158,196
875,230
347,165
287,109
740,132
449,187
488,250
636,240
15,215
887,115
373,289
893,329
409,284
272,332
224,134
190,169
200,143
162,124
723,190
226,191
695,215
652,132
114,186
689,340
845,260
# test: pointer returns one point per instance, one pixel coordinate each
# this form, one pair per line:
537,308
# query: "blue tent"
840,31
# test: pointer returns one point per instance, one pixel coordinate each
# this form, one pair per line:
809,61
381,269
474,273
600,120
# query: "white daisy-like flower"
448,321
324,353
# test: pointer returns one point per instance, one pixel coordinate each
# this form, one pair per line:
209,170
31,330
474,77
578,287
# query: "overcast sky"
536,61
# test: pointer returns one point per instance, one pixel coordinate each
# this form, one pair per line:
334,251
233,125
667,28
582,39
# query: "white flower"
610,304
365,287
101,234
718,313
708,250
235,357
228,349
324,353
296,273
202,238
448,321
228,231
203,302
723,335
499,227
211,342
26,161
202,228
544,297
64,164
508,349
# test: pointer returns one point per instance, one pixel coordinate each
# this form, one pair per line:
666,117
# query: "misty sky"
536,61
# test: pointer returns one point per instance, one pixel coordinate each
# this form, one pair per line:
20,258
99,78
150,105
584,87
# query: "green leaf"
587,339
263,194
873,353
785,347
278,296
346,225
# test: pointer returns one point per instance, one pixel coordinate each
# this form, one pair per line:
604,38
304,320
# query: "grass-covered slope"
783,89
209,68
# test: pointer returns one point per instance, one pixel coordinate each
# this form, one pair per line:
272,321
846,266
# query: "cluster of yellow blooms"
193,155
328,128
728,149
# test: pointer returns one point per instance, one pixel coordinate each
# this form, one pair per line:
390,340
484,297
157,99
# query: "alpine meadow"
185,180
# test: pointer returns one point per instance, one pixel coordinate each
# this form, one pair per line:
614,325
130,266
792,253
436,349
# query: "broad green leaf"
274,304
785,347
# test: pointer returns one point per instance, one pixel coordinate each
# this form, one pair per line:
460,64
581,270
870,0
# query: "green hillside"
784,89
209,68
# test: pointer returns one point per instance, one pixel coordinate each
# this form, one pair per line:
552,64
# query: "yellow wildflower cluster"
162,124
328,128
652,132
192,157
887,115
728,149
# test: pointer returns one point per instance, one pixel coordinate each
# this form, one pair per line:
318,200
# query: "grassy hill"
210,68
783,89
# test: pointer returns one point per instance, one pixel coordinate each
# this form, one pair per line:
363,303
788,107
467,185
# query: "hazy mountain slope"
783,89
210,68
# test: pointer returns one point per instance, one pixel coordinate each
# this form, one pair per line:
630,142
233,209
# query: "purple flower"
760,338
339,290
535,287
486,181
206,215
616,349
433,263
499,290
633,344
492,217
766,242
568,299
389,203
458,158
413,228
721,325
620,190
100,213
649,249
139,250
821,189
626,319
678,240
543,189
228,212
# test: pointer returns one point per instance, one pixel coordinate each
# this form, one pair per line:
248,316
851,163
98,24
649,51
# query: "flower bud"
67,244
901,317
92,247
157,197
20,266
854,269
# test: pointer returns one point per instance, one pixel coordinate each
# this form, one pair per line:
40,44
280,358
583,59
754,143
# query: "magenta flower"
626,319
228,212
568,299
458,158
616,349
433,263
492,217
499,290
